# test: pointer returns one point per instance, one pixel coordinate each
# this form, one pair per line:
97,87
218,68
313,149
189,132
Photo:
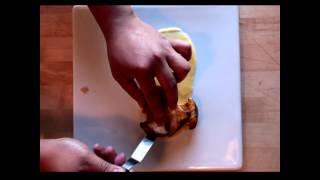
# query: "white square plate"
105,114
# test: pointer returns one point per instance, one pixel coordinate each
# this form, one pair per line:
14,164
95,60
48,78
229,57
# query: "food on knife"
186,113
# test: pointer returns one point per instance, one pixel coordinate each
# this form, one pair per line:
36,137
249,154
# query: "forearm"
111,17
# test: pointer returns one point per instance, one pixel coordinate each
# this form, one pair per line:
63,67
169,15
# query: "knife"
139,153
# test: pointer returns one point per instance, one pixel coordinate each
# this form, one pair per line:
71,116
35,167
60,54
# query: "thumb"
96,164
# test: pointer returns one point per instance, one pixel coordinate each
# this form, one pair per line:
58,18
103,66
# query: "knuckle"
165,43
84,156
158,55
186,68
104,166
141,67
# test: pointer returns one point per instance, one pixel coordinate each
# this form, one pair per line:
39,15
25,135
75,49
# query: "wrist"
112,18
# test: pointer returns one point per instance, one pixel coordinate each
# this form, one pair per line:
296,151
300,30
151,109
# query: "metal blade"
140,152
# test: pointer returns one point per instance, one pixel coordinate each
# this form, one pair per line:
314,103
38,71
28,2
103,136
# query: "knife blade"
139,153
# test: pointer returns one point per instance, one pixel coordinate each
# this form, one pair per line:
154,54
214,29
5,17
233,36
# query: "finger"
182,47
130,86
179,65
107,153
96,164
97,149
153,98
168,82
120,159
177,78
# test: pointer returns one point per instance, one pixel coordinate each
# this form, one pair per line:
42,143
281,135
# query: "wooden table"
260,75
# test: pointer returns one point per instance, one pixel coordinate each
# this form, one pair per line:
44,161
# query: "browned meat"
183,115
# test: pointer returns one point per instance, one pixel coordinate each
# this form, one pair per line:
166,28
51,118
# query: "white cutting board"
108,116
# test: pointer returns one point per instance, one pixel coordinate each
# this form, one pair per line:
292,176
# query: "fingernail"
109,149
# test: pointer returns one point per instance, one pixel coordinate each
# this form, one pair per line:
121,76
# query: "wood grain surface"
260,80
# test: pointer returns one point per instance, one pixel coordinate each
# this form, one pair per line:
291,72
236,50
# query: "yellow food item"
185,86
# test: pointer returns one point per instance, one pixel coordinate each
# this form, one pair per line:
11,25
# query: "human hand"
137,53
71,155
